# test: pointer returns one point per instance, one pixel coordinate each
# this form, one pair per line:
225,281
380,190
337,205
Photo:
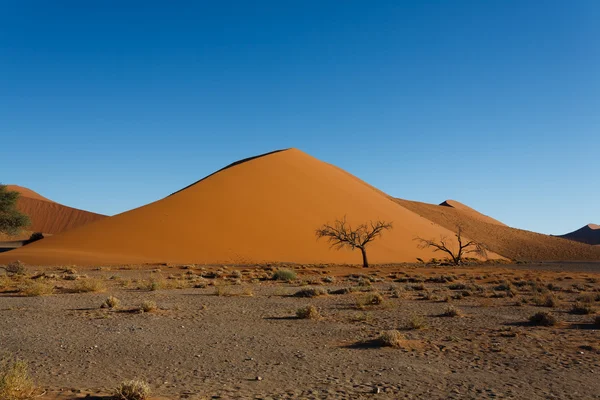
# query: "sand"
50,217
472,213
589,234
264,209
516,244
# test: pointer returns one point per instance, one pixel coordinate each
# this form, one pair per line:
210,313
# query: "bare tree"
456,254
341,234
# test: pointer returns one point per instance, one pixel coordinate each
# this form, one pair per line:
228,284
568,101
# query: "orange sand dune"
589,234
471,212
513,243
50,217
263,209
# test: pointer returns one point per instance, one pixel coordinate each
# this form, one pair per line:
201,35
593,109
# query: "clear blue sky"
108,105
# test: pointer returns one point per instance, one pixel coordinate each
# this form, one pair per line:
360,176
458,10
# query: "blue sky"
109,105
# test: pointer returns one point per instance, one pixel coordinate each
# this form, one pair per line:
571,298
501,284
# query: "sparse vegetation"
543,318
36,288
391,338
341,234
311,292
370,299
148,306
452,311
132,390
285,275
15,382
111,302
15,268
308,312
417,322
582,309
11,219
89,285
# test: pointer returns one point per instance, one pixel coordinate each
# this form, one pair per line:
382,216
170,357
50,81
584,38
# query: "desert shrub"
458,286
545,301
32,289
15,382
111,302
417,322
285,275
15,268
35,236
543,319
582,309
391,338
370,299
308,312
342,290
70,270
132,390
452,311
311,292
148,306
90,285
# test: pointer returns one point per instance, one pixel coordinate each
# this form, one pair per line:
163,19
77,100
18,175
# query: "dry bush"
417,322
111,302
543,319
391,338
308,312
582,309
15,382
148,306
452,311
15,268
32,289
370,299
549,300
132,390
285,275
311,292
90,285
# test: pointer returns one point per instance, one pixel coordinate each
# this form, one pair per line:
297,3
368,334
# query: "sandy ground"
238,337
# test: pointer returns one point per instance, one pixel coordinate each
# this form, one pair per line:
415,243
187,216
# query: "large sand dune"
474,214
589,234
513,243
50,217
263,209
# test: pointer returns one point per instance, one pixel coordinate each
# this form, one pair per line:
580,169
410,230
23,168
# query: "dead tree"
456,254
341,234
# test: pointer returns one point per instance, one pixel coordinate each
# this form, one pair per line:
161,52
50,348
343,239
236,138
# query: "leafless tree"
341,234
447,246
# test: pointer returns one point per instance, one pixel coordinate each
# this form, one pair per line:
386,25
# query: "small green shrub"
285,275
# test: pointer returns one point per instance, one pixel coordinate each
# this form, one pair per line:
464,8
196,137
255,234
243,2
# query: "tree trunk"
364,255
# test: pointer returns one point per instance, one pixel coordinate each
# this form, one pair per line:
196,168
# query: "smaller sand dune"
589,234
471,212
47,216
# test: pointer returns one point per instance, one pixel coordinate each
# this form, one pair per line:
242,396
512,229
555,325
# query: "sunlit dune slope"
589,234
49,217
264,209
513,243
474,214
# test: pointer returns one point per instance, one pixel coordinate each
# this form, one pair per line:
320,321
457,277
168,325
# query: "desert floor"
226,332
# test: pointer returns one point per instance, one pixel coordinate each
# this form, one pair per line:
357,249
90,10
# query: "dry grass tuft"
148,306
285,275
391,338
417,322
543,319
582,309
90,285
132,390
15,382
452,311
32,289
308,312
370,299
311,292
111,302
15,268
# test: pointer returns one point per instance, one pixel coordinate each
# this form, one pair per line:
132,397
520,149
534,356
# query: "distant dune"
50,217
474,214
589,234
263,209
516,244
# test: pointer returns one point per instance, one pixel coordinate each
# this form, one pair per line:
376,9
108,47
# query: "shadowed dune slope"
265,209
474,214
589,234
50,217
513,243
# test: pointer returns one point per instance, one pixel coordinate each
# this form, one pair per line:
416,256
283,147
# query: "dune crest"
472,212
262,209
